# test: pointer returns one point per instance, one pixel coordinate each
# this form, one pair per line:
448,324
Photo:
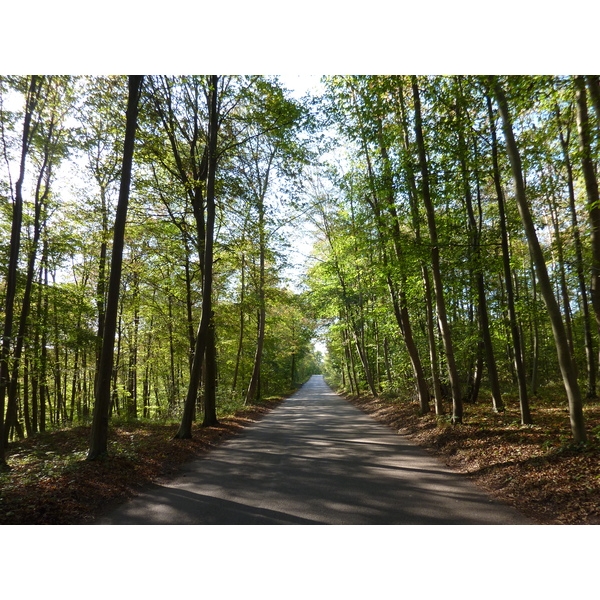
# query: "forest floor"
535,468
51,483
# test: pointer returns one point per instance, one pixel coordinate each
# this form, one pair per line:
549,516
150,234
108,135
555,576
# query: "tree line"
145,223
459,242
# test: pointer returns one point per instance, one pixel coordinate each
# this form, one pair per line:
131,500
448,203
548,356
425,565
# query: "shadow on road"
316,459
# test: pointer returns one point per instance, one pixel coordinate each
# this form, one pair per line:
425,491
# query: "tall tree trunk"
535,345
457,409
591,187
564,291
593,84
33,95
349,361
482,311
26,411
588,337
510,298
241,329
251,393
400,302
132,378
210,380
173,391
392,230
429,312
203,336
40,200
565,359
189,304
99,433
44,393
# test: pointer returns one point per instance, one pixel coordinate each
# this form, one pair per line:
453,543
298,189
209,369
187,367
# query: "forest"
150,226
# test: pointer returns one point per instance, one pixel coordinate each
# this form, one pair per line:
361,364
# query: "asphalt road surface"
315,459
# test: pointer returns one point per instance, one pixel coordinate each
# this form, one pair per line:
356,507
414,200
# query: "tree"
567,364
508,282
32,98
564,131
457,410
475,234
99,433
205,335
591,186
50,136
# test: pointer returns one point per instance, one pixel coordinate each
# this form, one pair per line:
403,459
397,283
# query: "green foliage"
362,194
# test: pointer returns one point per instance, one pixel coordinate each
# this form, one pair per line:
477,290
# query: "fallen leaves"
50,482
535,468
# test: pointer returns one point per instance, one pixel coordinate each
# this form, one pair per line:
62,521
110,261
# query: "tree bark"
510,298
588,337
399,300
457,408
482,311
565,360
40,200
238,355
252,392
591,187
204,337
430,320
33,95
99,433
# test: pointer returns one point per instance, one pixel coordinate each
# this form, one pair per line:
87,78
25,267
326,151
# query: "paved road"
315,459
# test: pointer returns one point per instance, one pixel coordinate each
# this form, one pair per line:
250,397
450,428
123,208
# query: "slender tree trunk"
591,186
173,391
26,412
412,196
400,304
189,304
241,329
535,346
482,311
210,384
101,283
132,378
564,292
44,393
386,358
457,409
362,355
567,364
349,361
99,434
203,337
114,401
510,300
33,94
13,390
593,84
251,393
589,338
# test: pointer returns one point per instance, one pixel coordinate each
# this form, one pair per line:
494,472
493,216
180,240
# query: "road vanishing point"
315,459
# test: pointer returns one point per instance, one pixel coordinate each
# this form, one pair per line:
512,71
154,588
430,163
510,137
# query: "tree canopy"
456,254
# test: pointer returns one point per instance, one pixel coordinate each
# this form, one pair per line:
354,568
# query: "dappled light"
316,459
